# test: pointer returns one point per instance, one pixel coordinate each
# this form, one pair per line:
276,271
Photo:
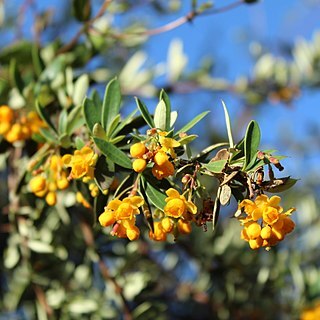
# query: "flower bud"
137,150
139,165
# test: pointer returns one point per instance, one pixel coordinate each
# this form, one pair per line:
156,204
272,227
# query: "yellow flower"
163,171
273,225
168,144
6,119
81,163
184,227
177,205
122,213
38,184
159,233
51,178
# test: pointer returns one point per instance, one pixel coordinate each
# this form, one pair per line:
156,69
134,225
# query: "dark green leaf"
192,123
280,185
251,142
215,166
37,61
129,123
155,195
145,113
15,76
104,173
146,208
45,116
92,113
111,103
113,153
75,119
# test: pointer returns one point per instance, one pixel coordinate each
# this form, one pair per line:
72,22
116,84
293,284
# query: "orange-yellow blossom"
82,163
177,205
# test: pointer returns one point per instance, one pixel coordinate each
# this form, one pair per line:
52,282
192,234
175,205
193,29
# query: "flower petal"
173,193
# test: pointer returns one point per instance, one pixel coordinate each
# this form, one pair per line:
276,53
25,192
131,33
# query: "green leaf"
111,103
104,173
280,185
75,119
192,123
92,113
80,89
155,195
160,115
79,143
99,132
145,113
251,142
38,64
215,166
165,98
49,135
63,122
187,139
113,153
40,246
45,116
204,153
113,125
228,124
126,122
15,76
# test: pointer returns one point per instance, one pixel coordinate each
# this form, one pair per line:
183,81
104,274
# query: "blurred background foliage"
54,265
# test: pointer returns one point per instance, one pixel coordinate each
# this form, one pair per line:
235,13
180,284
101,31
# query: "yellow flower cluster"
265,223
178,214
158,149
311,313
48,179
82,164
17,129
122,215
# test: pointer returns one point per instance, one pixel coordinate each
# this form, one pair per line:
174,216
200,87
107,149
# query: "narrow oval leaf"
160,116
92,113
80,89
251,142
215,166
113,153
145,113
40,246
104,173
45,116
111,103
166,99
192,123
155,196
228,124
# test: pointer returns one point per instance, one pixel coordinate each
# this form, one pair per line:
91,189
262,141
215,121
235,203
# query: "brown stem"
85,27
41,297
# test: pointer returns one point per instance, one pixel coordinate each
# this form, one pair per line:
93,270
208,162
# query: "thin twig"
165,28
85,27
